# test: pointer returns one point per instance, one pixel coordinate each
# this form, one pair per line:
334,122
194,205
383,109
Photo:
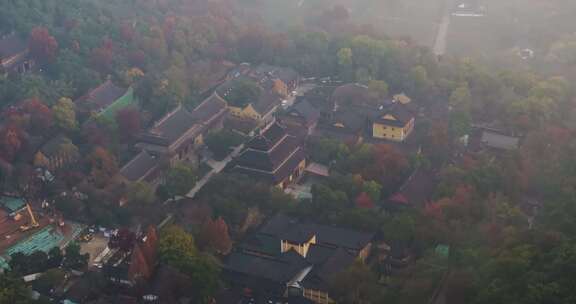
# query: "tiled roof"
140,166
304,109
266,102
11,45
103,96
337,261
173,126
281,225
53,146
499,141
353,121
416,191
400,112
279,269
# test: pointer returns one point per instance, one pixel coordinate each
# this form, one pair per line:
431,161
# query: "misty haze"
287,152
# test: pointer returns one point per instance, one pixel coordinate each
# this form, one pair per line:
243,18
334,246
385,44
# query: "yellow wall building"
395,123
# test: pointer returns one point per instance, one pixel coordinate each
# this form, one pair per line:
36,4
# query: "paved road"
440,42
217,167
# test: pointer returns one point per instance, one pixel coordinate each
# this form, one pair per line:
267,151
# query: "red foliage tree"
11,141
101,58
40,114
43,46
123,240
127,31
129,122
388,166
364,201
136,58
214,234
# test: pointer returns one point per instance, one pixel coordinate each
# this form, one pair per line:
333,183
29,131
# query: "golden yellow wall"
383,131
244,113
387,132
317,296
302,249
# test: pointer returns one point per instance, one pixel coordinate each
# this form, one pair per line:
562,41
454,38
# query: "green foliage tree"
176,248
180,179
243,92
378,89
141,193
221,142
13,290
356,284
64,114
73,259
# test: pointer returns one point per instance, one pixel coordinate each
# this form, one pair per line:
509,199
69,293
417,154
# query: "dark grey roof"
279,269
266,102
282,226
173,126
353,121
399,111
269,137
140,166
304,109
499,141
11,45
210,107
416,191
102,96
319,278
53,146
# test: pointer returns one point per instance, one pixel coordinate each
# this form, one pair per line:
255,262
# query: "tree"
40,114
179,180
65,114
13,290
50,280
345,57
324,198
175,245
244,91
176,248
73,259
42,45
220,142
12,138
129,122
364,201
102,166
214,234
461,99
378,89
325,150
356,284
141,193
55,257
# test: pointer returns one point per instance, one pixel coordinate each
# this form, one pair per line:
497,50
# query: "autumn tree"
102,166
214,235
364,201
40,114
129,122
42,45
64,114
101,57
176,248
12,138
